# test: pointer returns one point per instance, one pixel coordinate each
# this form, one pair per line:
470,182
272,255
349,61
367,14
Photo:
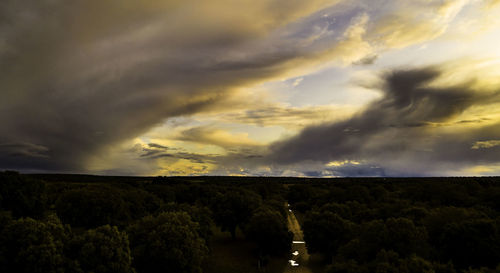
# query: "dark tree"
23,196
403,237
234,208
473,243
28,245
326,232
139,203
349,266
91,207
201,215
101,250
269,230
167,243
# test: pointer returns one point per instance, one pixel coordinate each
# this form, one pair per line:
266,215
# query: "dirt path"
298,247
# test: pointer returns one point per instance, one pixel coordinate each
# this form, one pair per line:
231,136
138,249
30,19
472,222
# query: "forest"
82,223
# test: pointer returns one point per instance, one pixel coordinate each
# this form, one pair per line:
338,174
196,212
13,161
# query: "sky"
319,88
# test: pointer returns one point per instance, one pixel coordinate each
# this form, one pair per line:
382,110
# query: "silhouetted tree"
22,195
326,232
139,203
269,230
201,215
472,243
92,207
349,266
101,250
28,245
168,242
403,237
234,208
391,262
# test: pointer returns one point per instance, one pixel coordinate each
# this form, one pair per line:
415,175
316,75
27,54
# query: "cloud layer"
407,131
77,77
86,84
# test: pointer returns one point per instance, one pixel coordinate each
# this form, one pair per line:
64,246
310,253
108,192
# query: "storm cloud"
403,133
79,76
95,86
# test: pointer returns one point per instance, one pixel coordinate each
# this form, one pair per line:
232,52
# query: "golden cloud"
485,144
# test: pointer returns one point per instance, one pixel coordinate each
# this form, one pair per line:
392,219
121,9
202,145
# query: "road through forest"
299,253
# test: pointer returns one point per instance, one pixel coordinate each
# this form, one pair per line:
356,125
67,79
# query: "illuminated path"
299,253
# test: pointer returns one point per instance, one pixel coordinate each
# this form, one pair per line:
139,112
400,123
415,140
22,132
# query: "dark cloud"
158,146
79,77
153,151
368,60
397,133
192,157
23,149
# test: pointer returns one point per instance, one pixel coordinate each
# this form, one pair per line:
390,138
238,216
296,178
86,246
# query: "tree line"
397,225
151,226
64,223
